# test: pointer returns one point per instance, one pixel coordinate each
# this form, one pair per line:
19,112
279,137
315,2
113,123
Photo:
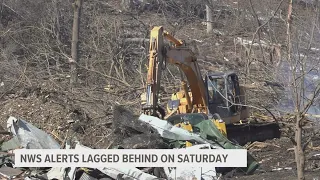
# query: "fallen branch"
136,40
261,145
107,76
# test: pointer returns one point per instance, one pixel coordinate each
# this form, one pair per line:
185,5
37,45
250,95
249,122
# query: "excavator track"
250,132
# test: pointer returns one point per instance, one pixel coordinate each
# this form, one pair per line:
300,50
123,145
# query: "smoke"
311,78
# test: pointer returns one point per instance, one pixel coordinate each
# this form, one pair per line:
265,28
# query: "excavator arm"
181,56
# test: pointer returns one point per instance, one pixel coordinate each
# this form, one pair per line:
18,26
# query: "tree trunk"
299,152
209,18
74,46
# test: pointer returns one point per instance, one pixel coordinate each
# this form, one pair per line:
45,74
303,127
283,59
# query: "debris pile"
129,132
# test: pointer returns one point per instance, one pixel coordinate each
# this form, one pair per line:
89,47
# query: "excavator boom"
179,55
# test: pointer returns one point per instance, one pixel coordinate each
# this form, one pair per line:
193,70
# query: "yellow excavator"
217,96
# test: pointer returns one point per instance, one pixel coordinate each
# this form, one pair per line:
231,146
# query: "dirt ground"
276,158
280,176
61,114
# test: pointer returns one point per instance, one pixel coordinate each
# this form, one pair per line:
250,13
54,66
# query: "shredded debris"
137,132
29,136
129,132
8,172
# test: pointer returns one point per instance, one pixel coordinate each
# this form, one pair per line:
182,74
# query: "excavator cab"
225,97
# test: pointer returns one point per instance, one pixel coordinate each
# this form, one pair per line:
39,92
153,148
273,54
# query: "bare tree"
301,67
75,40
